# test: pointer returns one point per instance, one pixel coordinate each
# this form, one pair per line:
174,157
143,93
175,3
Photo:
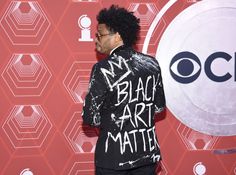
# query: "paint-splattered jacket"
125,91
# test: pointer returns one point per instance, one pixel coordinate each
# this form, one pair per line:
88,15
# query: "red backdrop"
46,53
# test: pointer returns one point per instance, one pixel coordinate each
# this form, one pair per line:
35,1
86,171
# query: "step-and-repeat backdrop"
46,55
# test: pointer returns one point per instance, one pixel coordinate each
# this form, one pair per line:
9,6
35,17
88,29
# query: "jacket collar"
119,48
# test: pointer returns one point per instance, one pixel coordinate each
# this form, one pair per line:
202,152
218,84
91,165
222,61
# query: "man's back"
125,91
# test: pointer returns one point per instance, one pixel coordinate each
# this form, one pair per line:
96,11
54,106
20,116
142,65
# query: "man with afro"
125,91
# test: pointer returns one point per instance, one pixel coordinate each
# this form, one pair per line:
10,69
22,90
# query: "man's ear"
118,37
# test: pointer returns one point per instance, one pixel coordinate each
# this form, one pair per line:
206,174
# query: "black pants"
144,170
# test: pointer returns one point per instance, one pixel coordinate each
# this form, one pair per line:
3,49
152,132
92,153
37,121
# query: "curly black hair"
118,19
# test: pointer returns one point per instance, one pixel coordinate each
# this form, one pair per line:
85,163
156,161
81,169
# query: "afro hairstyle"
120,20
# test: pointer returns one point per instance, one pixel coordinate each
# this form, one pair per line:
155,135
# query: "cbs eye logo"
185,67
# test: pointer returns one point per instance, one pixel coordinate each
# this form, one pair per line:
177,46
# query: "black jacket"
125,91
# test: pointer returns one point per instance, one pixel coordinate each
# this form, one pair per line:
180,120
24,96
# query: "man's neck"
115,48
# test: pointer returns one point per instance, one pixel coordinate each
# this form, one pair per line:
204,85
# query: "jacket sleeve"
160,101
94,99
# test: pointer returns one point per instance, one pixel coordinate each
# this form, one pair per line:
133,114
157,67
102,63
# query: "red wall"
46,61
